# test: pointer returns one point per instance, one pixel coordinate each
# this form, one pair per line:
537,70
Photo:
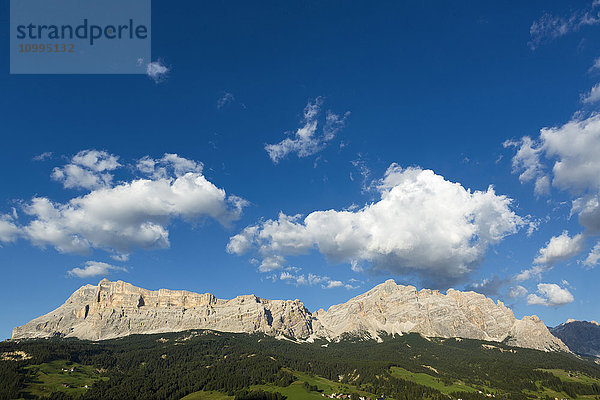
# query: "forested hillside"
249,366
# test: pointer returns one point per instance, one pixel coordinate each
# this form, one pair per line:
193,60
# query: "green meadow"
51,377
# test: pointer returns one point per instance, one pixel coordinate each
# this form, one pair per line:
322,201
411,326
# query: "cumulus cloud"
157,71
560,248
9,232
592,96
307,140
550,27
96,160
169,164
566,157
423,225
574,147
557,249
95,268
550,295
130,215
593,257
88,169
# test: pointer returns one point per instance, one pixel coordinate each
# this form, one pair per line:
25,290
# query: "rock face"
115,309
582,337
398,309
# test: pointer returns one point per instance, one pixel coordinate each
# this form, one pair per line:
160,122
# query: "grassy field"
295,391
50,377
564,375
556,395
430,381
207,395
576,377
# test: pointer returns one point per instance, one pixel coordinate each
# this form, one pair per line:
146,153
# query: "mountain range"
117,309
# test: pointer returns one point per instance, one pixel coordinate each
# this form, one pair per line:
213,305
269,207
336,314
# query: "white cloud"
157,71
533,224
333,124
575,147
333,284
43,156
133,214
95,268
96,160
311,280
88,169
596,64
128,216
517,291
365,172
535,299
423,224
244,241
549,27
557,249
542,185
9,232
560,248
534,272
307,140
551,295
74,176
570,152
527,161
593,257
120,257
592,96
224,100
588,208
169,164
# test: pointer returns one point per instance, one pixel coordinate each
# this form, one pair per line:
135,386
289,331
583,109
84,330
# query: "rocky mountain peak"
396,309
571,320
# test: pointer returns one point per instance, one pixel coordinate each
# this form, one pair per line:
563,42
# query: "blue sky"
312,151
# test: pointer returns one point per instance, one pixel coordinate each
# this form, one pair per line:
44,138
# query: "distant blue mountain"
582,337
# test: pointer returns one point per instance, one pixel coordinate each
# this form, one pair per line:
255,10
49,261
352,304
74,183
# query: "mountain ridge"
116,309
582,337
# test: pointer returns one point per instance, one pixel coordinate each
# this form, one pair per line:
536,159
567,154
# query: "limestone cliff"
397,309
115,309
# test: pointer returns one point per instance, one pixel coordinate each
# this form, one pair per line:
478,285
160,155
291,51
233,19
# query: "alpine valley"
117,341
